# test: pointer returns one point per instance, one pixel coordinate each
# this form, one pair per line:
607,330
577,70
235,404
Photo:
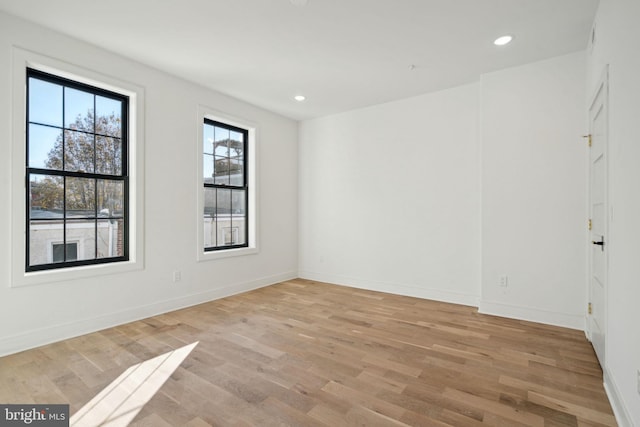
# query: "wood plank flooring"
303,353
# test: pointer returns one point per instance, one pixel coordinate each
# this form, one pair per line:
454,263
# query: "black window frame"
244,187
122,177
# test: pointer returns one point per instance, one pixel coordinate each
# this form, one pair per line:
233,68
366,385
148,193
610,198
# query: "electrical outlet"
177,276
504,281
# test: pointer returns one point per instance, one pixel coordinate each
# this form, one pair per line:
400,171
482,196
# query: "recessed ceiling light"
299,98
501,41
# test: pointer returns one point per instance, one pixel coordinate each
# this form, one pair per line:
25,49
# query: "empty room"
320,213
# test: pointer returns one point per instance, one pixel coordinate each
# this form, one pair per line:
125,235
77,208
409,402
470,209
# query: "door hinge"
590,308
589,225
589,138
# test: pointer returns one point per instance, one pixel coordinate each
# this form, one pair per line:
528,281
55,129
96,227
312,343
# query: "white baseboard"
615,399
50,334
393,288
566,320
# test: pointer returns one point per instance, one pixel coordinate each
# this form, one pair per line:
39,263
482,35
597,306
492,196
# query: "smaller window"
226,192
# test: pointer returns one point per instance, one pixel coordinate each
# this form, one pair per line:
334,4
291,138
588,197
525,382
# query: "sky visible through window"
45,107
213,134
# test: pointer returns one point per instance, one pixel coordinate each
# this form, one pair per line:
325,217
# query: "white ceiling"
341,54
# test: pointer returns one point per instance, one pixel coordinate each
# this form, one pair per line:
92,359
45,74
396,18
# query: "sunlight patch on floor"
119,403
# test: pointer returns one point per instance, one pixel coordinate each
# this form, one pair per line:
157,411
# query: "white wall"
534,192
33,315
617,43
389,197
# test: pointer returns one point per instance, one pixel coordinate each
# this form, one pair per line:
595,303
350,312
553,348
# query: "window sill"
226,253
74,273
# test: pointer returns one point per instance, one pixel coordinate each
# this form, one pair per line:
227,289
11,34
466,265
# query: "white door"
599,219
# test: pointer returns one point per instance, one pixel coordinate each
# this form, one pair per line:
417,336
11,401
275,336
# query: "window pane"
210,202
110,195
108,116
236,144
236,172
207,139
230,236
45,196
45,147
223,202
41,233
209,232
83,233
238,202
237,153
80,197
221,146
78,152
45,102
78,109
108,155
110,238
207,168
223,213
221,170
209,219
238,219
119,232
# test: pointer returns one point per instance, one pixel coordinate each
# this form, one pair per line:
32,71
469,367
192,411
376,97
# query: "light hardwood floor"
303,353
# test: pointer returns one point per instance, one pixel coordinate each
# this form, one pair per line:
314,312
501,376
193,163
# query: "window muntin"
77,174
226,191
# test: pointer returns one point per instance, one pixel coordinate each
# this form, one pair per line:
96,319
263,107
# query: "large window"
225,186
76,174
